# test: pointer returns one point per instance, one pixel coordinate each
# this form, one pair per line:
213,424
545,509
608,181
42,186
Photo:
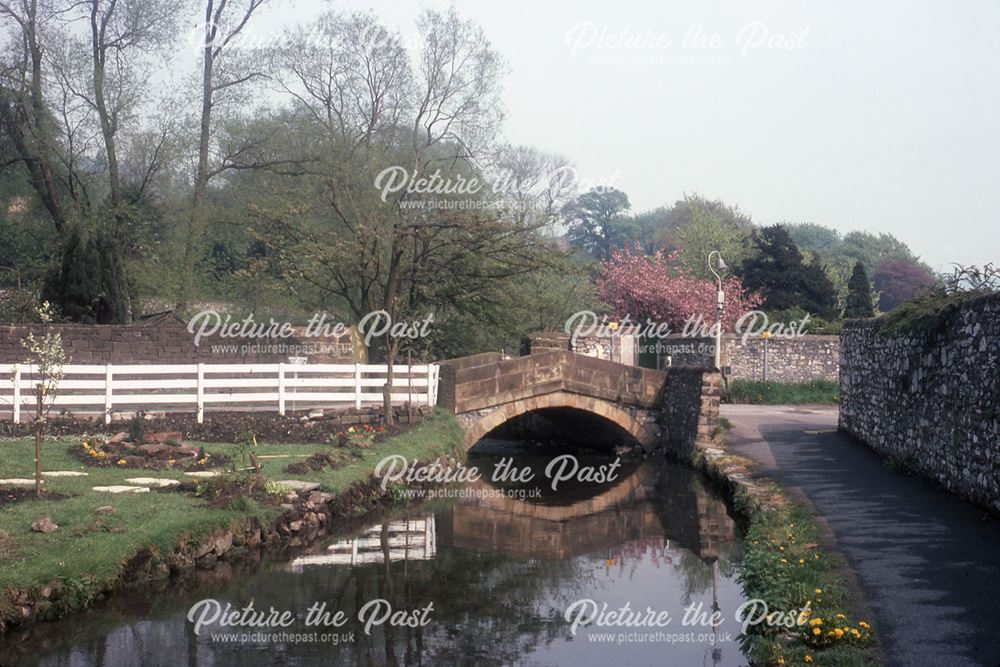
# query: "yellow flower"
838,632
808,658
802,561
781,548
784,562
864,625
816,621
818,591
121,462
816,631
840,616
170,462
781,660
855,633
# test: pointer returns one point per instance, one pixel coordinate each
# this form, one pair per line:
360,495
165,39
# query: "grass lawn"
89,549
782,393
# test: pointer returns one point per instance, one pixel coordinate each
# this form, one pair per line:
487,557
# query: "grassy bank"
88,552
781,393
784,566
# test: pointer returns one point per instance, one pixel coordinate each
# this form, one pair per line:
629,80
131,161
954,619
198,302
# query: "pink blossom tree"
648,286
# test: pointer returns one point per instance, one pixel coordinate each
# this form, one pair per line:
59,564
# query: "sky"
855,115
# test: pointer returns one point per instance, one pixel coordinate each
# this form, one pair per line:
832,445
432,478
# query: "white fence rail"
197,387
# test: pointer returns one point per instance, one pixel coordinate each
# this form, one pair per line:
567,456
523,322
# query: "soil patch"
314,427
9,496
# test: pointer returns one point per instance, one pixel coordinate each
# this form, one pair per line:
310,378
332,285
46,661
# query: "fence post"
107,393
409,386
17,395
201,393
281,389
357,386
430,384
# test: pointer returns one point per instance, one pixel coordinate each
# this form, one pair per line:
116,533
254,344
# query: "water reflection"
500,572
403,540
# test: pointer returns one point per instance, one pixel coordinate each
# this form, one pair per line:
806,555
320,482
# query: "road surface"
927,563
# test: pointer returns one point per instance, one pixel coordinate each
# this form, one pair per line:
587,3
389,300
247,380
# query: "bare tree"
223,23
375,113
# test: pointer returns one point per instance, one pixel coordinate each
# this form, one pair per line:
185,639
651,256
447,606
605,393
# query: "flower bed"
156,451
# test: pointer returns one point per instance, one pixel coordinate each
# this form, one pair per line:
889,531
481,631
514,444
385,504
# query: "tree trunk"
195,221
38,441
108,125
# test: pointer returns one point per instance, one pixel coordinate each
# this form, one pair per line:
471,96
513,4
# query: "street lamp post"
721,298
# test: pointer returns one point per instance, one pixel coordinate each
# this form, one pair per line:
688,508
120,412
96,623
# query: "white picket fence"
198,387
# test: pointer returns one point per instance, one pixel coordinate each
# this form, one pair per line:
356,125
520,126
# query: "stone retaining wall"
802,359
930,402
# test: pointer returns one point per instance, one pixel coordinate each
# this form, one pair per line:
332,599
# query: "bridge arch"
676,408
636,423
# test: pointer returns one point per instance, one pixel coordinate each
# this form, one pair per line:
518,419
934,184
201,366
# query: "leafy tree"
840,253
707,232
598,222
645,286
859,296
90,284
819,296
72,85
670,224
779,272
817,238
899,280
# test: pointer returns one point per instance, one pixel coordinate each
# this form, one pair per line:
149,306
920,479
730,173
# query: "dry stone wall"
930,402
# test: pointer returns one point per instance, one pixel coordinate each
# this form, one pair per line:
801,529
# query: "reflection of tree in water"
693,571
488,609
697,574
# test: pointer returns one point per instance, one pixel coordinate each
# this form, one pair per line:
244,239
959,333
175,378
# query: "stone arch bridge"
592,398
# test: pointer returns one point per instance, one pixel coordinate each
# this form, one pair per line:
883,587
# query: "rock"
44,525
319,498
152,481
295,526
155,450
17,481
166,437
64,473
185,451
136,461
254,538
298,485
202,474
222,543
105,509
117,438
